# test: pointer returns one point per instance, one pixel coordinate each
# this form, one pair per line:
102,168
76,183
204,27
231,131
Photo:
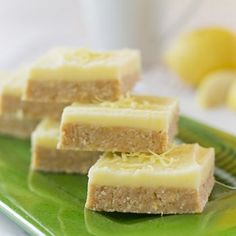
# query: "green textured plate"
53,204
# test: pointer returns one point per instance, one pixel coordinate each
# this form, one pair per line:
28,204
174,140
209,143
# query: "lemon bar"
16,125
13,123
11,98
178,181
12,91
131,124
45,156
69,75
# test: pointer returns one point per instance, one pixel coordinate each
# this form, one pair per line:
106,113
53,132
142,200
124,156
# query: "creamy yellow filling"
130,111
83,64
180,167
154,120
46,134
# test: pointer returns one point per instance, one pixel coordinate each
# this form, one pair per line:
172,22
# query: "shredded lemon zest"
126,101
150,158
85,56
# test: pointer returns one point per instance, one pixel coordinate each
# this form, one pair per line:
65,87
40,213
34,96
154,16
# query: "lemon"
199,52
231,98
213,90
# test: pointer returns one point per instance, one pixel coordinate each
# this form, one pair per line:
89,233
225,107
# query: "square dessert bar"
178,181
16,125
45,156
69,75
11,98
131,124
12,91
12,122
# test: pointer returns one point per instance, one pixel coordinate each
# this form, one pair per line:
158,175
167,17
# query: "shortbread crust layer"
81,91
11,104
39,110
65,161
17,127
161,200
122,139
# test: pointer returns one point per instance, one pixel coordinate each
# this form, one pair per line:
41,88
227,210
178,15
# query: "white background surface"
29,28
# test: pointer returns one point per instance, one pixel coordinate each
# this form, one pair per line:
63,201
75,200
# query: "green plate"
53,204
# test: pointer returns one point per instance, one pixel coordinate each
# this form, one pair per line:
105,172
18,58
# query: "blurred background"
30,28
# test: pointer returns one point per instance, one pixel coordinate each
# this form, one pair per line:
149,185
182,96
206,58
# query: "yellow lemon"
214,88
199,52
231,97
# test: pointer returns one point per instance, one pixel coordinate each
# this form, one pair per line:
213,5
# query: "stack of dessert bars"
12,120
89,118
